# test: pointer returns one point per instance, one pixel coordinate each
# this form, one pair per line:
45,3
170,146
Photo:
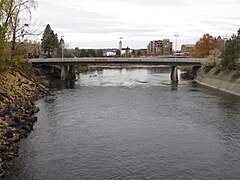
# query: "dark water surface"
132,124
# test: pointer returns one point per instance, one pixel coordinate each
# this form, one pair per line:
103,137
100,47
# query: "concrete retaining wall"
228,81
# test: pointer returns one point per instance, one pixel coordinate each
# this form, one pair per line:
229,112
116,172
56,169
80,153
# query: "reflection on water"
58,84
132,124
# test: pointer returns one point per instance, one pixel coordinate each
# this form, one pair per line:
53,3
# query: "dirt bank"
17,96
224,80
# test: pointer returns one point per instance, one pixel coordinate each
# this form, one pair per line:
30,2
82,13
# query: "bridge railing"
107,59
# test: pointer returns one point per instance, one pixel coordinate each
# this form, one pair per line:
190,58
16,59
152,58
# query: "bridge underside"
68,73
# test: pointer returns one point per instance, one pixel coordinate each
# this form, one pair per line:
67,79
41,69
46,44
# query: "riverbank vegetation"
220,53
222,68
206,44
15,16
18,86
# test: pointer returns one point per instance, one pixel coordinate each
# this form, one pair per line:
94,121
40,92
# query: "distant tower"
120,43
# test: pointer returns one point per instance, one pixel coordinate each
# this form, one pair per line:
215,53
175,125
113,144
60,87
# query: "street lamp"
176,45
62,45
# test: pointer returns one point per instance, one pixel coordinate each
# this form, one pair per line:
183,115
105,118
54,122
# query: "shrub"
214,59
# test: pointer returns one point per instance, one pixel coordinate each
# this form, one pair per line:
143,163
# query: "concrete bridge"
68,70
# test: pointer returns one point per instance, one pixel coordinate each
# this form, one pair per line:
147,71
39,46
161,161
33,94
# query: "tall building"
187,49
159,48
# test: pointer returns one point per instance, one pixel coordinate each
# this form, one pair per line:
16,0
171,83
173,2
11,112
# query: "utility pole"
176,46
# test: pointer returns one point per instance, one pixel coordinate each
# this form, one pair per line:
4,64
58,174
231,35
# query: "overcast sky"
100,23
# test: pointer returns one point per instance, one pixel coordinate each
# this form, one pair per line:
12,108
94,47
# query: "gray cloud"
139,21
158,2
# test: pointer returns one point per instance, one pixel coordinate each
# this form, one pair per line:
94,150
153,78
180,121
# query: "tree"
231,52
118,53
77,52
91,53
214,59
127,53
205,44
3,27
15,15
99,53
238,32
49,41
69,53
83,53
133,53
18,26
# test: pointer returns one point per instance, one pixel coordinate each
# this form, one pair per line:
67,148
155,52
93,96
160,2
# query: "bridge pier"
77,75
71,73
67,72
64,72
174,74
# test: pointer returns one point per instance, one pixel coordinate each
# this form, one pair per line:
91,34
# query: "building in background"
141,53
159,48
120,45
187,49
126,52
110,53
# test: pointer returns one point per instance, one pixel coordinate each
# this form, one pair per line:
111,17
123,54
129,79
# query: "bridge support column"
71,73
174,74
64,72
77,75
68,72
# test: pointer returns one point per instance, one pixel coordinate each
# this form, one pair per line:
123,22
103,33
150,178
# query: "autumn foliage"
206,44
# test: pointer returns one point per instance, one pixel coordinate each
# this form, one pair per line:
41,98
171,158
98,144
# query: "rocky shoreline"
223,80
17,96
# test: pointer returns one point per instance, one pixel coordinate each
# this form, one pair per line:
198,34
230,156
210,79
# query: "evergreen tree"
238,32
56,41
77,52
83,53
231,52
91,53
49,41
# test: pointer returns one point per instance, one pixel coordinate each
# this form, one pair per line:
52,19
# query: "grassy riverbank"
17,95
224,80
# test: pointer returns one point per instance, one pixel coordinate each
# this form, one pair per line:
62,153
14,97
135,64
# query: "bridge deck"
102,60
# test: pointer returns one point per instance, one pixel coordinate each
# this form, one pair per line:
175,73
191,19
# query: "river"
132,123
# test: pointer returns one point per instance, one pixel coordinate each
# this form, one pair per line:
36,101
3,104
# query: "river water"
132,123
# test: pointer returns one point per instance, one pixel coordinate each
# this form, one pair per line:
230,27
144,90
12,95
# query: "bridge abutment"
174,74
195,70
